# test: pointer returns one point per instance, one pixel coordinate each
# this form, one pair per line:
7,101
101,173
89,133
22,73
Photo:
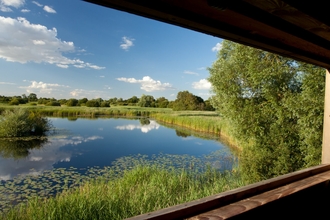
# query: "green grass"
141,189
201,121
83,111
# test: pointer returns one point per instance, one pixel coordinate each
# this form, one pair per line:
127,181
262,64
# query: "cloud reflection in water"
39,160
144,128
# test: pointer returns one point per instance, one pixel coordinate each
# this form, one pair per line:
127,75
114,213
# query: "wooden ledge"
253,202
209,203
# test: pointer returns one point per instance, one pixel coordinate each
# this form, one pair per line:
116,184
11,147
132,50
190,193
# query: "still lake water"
85,143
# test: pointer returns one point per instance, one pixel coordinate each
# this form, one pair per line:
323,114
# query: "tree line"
184,101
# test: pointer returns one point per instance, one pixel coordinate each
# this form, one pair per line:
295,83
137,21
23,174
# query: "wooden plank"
200,16
211,202
246,205
326,122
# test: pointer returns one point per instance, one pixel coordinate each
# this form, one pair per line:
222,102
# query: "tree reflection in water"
20,148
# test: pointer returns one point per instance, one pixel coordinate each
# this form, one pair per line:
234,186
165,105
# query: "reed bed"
208,122
141,188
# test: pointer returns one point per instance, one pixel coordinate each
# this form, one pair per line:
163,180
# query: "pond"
82,144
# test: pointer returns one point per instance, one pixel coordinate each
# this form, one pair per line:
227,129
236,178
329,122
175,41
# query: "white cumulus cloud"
22,41
49,9
5,9
12,3
202,84
148,84
126,43
25,10
217,47
42,88
90,94
37,3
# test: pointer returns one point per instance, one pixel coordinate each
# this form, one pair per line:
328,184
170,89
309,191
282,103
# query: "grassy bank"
143,188
208,122
83,111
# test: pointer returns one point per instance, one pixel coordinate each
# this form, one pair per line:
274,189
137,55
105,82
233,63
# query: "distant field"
89,111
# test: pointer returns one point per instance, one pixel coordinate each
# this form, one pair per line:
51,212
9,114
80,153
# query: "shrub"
72,102
105,104
14,102
20,122
53,103
92,103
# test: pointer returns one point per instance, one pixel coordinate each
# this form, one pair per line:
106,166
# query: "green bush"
92,103
14,102
105,104
20,123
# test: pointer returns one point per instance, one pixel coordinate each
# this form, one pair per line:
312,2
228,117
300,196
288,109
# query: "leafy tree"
63,101
170,104
133,100
72,102
25,98
14,101
32,97
146,101
105,104
92,103
274,105
208,105
82,101
4,99
162,102
188,101
113,101
121,102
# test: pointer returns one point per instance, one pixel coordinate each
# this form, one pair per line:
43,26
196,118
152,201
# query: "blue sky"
75,49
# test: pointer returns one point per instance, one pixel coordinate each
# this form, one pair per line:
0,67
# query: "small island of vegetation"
20,122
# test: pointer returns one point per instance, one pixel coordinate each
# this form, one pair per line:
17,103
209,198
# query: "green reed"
134,185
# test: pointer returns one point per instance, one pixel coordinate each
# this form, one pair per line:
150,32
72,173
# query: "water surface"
84,143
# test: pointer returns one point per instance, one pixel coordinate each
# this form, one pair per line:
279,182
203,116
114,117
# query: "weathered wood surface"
245,205
292,28
206,204
326,122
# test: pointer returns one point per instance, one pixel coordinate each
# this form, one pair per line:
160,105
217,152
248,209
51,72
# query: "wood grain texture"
294,16
308,40
253,202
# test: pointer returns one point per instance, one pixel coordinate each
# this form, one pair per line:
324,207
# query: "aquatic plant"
152,183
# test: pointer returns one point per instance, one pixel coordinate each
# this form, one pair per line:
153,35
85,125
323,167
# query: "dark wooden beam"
254,28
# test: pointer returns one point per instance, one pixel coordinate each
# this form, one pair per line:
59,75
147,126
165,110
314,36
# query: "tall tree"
32,97
162,102
188,101
146,101
260,95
